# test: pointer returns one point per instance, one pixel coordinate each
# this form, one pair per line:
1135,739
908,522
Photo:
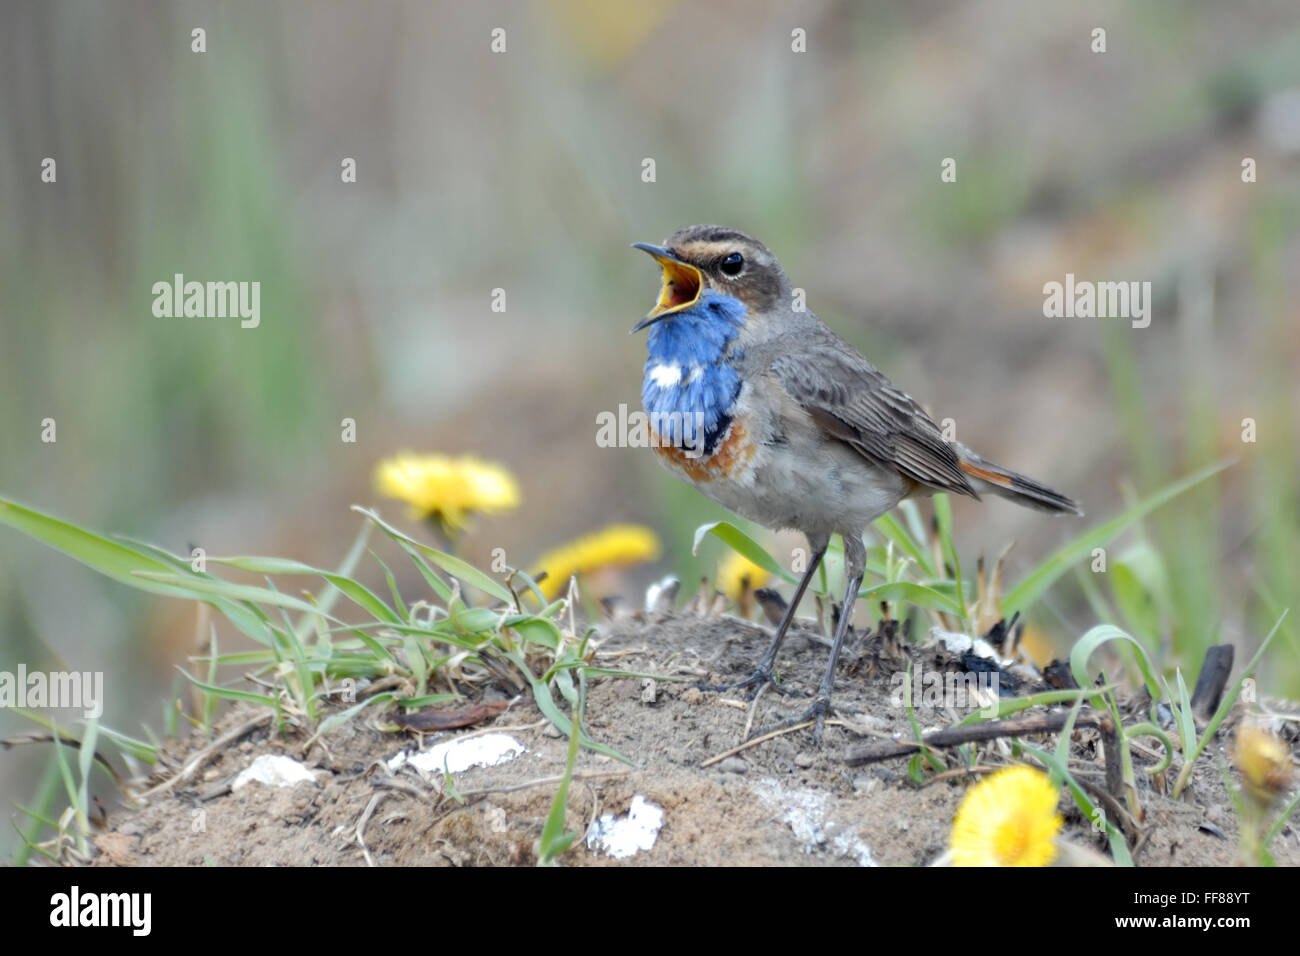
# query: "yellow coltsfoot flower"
619,544
447,489
1009,819
1264,761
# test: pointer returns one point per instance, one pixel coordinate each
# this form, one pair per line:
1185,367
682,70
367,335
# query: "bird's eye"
732,264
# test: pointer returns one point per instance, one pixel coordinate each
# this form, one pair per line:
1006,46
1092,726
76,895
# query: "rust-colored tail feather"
986,476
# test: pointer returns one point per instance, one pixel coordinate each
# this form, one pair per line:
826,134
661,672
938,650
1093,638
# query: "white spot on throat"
666,376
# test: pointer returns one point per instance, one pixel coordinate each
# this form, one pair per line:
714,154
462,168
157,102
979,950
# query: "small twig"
207,753
219,789
546,781
1114,806
361,825
397,783
510,586
1011,727
68,741
1146,751
753,710
763,739
380,685
603,655
510,729
956,736
1111,744
861,730
689,671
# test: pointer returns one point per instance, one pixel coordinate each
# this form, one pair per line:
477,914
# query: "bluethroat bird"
774,416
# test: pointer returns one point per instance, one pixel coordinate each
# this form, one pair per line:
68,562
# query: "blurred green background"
522,170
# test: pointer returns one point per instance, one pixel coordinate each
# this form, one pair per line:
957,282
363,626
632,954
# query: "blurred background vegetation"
522,171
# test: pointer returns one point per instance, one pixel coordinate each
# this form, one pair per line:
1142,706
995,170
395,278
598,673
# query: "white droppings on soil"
274,770
457,756
804,811
621,837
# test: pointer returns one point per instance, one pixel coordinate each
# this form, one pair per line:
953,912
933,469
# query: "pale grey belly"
822,486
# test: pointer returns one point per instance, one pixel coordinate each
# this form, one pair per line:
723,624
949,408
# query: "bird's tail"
994,479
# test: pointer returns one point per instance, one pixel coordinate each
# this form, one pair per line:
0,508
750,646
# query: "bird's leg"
767,666
855,559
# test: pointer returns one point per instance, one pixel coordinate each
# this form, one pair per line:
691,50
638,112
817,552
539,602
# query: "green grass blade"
1032,586
917,594
201,587
436,584
1014,705
1118,845
110,558
1133,731
1093,639
1225,706
546,704
355,591
327,598
1063,742
230,693
743,544
535,630
554,840
398,604
138,749
339,718
891,528
1282,818
532,586
924,754
462,570
1183,715
243,615
943,518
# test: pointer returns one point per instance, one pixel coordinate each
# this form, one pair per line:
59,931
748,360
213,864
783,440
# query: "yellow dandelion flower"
618,544
1264,761
1009,819
734,571
445,488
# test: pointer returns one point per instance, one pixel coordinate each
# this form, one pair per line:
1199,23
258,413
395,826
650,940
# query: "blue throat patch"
690,386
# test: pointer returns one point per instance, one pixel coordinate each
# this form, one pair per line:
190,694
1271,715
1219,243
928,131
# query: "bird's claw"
755,682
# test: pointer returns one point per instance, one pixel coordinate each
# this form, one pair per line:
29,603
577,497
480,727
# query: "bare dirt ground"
781,802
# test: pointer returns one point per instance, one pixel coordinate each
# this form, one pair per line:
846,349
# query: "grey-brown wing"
850,399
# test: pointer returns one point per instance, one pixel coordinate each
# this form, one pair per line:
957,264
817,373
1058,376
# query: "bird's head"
698,259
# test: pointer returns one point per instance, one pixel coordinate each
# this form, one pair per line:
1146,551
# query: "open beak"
682,286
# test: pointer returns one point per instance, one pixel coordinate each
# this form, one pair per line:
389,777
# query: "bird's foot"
821,706
755,682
